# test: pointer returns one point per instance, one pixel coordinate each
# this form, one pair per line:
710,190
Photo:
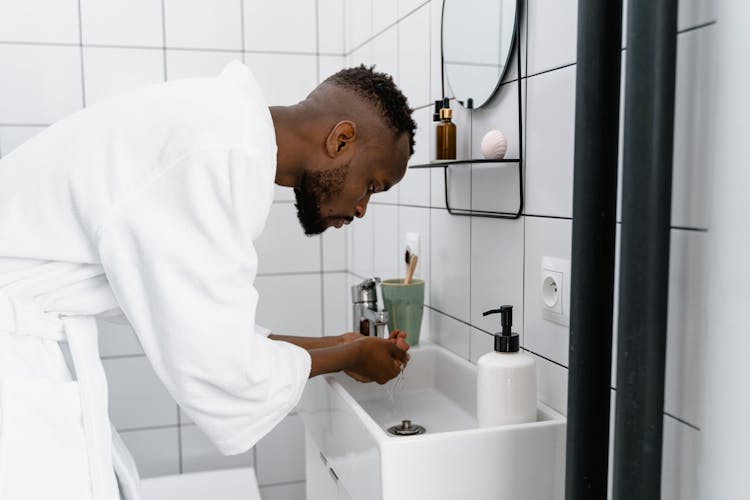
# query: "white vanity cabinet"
322,480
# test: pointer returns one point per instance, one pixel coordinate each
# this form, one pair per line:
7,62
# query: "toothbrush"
412,267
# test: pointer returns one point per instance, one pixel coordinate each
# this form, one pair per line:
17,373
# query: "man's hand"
377,360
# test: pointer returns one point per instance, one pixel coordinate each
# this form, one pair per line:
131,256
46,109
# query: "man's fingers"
398,353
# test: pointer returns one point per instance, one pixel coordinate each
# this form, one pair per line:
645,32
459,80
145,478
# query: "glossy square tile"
543,238
48,21
386,234
109,72
553,28
362,246
691,13
12,137
694,106
552,384
122,22
480,344
155,451
449,333
206,25
385,52
450,264
281,454
414,57
550,143
27,94
328,65
407,6
283,246
359,25
284,78
117,339
282,193
290,304
337,302
436,67
137,398
269,27
200,454
384,14
331,26
687,325
197,63
496,271
680,461
335,249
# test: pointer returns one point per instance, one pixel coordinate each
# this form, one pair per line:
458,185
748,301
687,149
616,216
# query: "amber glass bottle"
446,134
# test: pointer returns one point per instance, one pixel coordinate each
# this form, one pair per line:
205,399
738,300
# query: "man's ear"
341,138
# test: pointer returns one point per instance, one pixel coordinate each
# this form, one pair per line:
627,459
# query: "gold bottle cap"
446,113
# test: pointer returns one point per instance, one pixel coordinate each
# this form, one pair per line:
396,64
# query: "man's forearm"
333,359
308,343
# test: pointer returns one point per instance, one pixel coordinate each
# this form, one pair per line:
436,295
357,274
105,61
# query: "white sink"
347,423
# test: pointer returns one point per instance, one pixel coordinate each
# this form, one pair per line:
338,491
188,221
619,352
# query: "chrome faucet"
368,315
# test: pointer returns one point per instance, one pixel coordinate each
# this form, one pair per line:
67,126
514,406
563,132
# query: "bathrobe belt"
21,318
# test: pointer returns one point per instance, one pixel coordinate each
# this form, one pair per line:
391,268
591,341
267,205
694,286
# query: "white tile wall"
117,339
450,253
111,71
331,26
283,246
284,78
336,303
199,453
290,304
496,271
49,21
543,238
122,22
270,26
414,57
549,143
386,233
155,451
198,63
552,34
41,84
207,25
12,137
137,397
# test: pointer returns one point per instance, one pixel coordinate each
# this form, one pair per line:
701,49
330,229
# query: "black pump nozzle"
505,341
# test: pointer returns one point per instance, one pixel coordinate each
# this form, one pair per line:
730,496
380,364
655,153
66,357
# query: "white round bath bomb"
494,145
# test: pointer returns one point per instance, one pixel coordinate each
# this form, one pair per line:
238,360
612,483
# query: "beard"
315,188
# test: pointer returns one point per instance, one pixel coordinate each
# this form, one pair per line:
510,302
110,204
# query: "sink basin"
348,423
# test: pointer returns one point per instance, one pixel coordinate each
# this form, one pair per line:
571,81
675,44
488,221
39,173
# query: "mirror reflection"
477,40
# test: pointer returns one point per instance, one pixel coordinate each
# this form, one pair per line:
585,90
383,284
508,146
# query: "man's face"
334,196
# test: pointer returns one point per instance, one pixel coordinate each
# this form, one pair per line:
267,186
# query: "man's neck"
290,144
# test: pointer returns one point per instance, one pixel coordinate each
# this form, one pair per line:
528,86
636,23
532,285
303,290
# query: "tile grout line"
389,26
179,440
80,51
164,38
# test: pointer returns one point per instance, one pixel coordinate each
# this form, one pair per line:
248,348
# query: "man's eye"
371,189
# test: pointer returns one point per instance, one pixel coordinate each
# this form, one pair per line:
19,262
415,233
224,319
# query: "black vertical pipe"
593,247
644,269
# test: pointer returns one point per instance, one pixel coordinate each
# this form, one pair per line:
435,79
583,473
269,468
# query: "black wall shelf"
445,164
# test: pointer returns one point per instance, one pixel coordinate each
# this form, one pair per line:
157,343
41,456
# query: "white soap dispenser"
506,379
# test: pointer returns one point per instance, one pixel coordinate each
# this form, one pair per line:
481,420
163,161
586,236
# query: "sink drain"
406,429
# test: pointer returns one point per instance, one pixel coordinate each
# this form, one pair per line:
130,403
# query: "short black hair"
380,90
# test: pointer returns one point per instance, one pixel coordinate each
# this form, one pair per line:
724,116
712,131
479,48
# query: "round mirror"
477,38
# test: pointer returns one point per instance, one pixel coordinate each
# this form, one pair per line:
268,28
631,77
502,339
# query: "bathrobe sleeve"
179,258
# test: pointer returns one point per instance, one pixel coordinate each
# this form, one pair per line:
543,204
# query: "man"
146,206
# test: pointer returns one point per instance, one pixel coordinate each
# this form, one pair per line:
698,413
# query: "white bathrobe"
145,205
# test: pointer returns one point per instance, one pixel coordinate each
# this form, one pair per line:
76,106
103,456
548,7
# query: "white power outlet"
555,290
